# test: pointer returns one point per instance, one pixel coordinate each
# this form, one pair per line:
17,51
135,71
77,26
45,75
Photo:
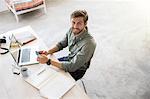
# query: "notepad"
24,37
50,83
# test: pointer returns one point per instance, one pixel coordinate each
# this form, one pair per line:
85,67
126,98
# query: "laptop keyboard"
25,55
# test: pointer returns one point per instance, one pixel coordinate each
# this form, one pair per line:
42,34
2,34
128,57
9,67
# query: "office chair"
83,85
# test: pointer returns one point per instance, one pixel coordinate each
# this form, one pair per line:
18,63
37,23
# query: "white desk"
14,87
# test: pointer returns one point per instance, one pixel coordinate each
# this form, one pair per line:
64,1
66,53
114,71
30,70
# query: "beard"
76,31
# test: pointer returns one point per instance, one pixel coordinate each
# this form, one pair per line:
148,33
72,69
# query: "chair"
23,6
83,85
82,79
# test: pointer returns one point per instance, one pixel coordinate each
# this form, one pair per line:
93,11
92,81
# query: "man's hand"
43,52
42,58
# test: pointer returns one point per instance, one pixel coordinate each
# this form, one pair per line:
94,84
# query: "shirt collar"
81,36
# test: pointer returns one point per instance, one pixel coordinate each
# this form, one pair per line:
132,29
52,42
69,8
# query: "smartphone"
37,53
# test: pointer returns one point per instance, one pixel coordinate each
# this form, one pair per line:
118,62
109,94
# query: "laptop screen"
23,55
16,54
14,49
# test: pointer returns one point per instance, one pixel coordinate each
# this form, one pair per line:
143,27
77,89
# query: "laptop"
25,55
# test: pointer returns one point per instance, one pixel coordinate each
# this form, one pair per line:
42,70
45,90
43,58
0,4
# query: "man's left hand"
42,58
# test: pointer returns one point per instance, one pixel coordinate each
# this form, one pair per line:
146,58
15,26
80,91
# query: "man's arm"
82,57
79,60
44,59
59,46
50,51
53,50
56,64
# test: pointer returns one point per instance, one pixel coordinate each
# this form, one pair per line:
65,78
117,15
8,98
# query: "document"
56,89
51,84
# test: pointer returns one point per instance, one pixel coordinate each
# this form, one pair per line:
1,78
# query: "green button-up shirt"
81,50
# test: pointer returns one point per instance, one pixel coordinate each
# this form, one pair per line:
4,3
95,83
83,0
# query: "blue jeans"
63,58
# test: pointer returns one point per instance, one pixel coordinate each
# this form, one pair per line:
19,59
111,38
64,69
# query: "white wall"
2,6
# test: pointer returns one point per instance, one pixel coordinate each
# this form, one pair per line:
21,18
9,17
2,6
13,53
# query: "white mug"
24,71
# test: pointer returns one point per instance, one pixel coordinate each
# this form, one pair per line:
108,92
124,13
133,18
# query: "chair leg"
17,19
83,86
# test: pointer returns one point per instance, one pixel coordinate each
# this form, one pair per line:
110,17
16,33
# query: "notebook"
25,55
24,37
51,84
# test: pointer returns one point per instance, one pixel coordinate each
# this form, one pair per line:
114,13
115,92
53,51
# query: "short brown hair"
80,13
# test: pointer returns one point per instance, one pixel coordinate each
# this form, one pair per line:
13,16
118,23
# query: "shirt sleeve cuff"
64,67
59,46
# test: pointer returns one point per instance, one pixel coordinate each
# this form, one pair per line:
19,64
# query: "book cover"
24,37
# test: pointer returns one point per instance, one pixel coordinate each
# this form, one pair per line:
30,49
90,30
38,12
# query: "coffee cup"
24,71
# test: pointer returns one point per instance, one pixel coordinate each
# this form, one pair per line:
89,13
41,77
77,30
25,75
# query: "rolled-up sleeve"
63,43
83,56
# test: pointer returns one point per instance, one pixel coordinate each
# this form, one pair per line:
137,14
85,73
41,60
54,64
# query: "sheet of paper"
39,78
56,88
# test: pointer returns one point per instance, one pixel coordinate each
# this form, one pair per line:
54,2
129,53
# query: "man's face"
77,25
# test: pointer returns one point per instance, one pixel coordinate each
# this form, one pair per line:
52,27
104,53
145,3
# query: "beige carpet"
120,68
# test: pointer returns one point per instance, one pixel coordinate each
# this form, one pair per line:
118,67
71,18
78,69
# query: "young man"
81,46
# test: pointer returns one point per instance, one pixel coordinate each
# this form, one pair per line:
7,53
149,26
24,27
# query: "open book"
50,83
24,37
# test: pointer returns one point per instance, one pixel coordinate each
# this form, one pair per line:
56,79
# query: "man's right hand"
51,51
43,52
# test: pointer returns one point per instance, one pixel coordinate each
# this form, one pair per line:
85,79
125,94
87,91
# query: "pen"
28,41
41,71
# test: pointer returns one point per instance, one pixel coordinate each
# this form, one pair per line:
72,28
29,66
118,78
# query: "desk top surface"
14,87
